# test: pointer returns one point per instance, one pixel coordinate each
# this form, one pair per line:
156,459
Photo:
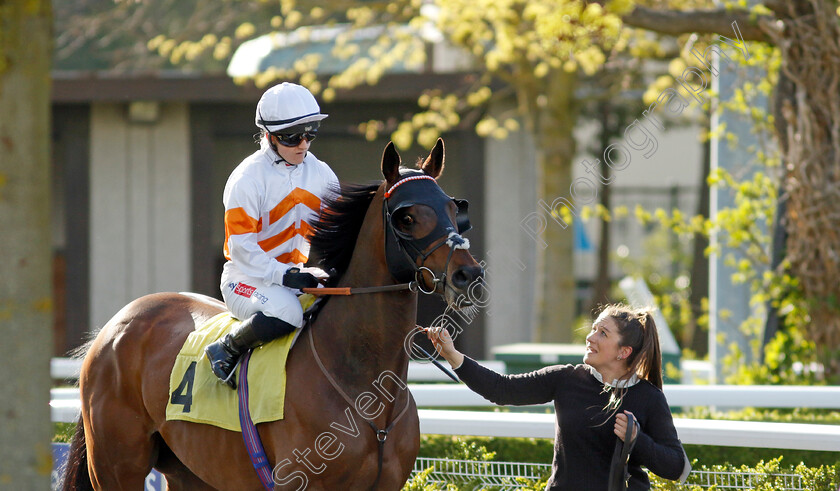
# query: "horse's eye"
406,220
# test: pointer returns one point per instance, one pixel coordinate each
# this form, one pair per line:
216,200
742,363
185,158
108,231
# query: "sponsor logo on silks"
244,290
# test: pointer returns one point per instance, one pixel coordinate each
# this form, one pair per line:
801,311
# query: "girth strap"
381,435
249,432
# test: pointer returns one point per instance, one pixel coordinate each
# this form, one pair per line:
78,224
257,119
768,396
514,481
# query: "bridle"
406,255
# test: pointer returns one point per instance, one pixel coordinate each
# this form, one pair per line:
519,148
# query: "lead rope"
381,435
619,473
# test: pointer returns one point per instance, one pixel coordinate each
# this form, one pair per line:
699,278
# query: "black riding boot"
224,353
251,333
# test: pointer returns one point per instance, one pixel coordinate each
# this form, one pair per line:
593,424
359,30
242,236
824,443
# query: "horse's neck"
359,337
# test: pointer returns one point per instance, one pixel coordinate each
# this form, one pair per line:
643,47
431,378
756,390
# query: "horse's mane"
334,234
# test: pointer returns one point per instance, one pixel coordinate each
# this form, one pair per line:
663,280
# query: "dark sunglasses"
293,139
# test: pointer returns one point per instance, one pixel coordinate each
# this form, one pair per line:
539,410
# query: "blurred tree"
25,293
113,35
536,50
806,115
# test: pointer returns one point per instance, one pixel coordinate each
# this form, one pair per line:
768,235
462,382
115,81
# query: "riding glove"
296,279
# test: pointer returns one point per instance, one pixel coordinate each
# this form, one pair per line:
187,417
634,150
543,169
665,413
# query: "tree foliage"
811,143
114,35
805,35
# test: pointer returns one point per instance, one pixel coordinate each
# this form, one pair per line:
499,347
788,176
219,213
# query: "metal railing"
745,480
502,476
471,474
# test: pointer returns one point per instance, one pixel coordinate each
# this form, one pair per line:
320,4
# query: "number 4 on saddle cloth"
196,395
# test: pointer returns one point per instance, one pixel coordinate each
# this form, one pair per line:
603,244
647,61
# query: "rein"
381,434
454,242
356,291
414,286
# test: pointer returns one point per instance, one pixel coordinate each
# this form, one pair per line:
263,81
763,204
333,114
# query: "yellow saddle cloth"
196,395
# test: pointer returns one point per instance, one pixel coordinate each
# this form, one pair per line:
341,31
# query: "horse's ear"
390,164
433,165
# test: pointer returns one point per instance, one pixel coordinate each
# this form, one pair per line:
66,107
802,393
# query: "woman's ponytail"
649,362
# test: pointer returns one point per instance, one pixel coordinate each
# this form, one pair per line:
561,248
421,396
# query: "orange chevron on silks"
238,222
296,197
274,241
294,257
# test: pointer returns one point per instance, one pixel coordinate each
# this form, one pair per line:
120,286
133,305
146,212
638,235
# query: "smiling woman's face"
602,343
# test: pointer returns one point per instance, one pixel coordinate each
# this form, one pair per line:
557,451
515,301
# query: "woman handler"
621,375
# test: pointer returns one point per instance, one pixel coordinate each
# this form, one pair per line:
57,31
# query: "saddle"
196,395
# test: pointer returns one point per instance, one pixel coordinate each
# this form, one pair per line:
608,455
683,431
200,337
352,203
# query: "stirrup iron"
231,378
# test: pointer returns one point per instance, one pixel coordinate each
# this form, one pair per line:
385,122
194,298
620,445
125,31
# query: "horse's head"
423,228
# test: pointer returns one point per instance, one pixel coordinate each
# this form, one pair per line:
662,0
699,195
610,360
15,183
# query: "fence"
65,408
678,395
746,480
501,475
68,369
467,474
750,434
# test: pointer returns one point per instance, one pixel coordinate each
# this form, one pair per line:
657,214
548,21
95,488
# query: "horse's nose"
465,275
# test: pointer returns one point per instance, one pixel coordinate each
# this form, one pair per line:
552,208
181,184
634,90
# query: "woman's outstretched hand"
621,425
444,345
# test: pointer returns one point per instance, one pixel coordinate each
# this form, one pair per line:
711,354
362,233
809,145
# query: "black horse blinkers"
402,250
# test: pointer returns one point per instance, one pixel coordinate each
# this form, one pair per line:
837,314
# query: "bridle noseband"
405,254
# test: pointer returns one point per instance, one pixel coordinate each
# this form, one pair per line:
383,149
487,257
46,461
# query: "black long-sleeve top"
584,440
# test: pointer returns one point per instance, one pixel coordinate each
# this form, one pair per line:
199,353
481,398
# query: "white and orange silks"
269,206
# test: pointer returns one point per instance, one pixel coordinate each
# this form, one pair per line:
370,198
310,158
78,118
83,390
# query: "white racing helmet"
286,105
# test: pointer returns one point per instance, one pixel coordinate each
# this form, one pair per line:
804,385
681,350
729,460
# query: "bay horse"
323,442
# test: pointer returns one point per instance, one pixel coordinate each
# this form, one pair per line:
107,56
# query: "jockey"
270,200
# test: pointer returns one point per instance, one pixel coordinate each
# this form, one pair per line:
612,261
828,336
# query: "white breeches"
245,296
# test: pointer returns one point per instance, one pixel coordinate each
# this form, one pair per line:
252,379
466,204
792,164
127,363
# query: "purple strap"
249,431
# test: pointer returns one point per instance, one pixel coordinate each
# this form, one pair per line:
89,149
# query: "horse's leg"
120,451
178,476
184,480
118,431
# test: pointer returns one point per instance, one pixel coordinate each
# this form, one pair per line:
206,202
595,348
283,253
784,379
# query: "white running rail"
65,408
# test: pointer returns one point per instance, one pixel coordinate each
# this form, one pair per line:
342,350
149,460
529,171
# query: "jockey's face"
293,155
